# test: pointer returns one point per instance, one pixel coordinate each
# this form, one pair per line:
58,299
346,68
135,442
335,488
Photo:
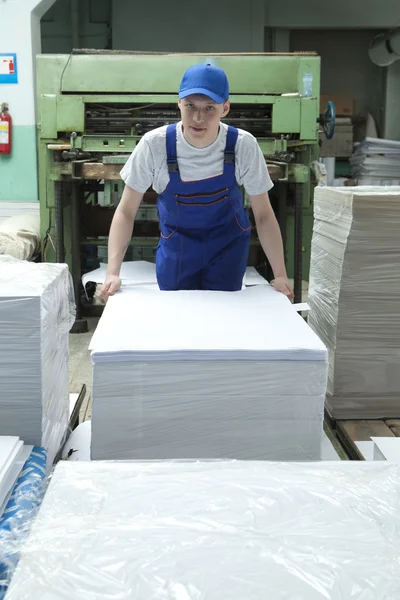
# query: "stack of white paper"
142,272
354,298
206,375
13,454
376,162
36,314
215,531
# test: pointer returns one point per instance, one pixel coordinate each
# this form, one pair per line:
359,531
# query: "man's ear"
227,107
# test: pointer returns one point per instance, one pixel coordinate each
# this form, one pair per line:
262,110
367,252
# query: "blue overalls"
205,231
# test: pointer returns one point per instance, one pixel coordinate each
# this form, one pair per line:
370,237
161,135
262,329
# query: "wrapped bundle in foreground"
25,468
36,314
196,374
215,531
354,298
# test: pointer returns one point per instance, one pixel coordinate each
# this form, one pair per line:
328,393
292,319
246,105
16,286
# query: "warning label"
8,68
7,65
4,137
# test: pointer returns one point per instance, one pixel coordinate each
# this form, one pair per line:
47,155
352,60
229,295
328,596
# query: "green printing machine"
93,108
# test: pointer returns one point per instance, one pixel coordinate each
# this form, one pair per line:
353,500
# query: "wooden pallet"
349,433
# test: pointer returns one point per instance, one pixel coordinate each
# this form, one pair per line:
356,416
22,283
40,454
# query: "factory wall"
20,35
18,177
380,89
176,26
90,27
346,67
157,26
359,14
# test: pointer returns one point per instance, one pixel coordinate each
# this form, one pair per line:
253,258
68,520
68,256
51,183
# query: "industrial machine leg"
282,212
59,210
298,243
80,325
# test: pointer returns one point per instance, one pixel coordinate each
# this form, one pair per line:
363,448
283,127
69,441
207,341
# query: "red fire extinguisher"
5,130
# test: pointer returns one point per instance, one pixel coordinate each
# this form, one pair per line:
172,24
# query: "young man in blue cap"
196,167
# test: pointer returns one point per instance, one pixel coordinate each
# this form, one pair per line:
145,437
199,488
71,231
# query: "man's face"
200,118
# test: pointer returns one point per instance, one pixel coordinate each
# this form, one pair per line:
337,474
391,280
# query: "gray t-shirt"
147,165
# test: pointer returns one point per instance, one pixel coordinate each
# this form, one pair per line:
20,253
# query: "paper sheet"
386,448
142,272
257,322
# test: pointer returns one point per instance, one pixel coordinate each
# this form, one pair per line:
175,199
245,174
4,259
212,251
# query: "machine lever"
74,152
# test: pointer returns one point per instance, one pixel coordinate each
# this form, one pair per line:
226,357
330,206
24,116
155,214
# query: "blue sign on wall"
8,68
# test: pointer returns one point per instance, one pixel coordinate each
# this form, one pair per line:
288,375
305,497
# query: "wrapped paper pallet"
214,531
354,298
36,313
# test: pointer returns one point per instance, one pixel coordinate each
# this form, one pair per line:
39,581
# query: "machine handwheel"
329,119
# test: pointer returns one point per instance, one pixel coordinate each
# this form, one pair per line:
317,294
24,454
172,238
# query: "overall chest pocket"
206,199
205,210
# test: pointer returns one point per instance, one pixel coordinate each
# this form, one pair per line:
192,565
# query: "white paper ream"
206,375
255,323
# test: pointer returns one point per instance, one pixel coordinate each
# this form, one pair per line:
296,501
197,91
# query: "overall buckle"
172,165
229,157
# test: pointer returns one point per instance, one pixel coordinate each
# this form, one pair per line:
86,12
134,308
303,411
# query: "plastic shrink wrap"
19,513
206,375
37,310
354,298
20,236
215,531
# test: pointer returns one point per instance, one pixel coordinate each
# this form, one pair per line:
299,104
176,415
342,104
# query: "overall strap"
229,154
172,161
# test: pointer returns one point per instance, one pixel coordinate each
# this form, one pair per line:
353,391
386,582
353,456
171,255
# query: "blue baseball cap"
207,80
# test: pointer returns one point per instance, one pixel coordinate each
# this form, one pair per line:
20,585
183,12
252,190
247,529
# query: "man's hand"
281,284
111,285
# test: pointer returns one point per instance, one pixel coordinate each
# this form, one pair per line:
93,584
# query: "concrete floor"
80,367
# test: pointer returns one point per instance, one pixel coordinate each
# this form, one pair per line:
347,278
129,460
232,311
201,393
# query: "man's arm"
270,238
119,238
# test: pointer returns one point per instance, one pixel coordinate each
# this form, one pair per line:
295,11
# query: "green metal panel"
286,115
171,98
299,173
106,143
309,116
135,73
49,72
48,116
306,244
161,74
70,113
270,146
116,160
109,143
112,189
312,66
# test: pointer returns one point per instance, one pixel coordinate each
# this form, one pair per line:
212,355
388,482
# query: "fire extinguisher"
5,130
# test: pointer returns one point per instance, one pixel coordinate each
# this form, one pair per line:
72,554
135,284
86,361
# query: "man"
196,167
